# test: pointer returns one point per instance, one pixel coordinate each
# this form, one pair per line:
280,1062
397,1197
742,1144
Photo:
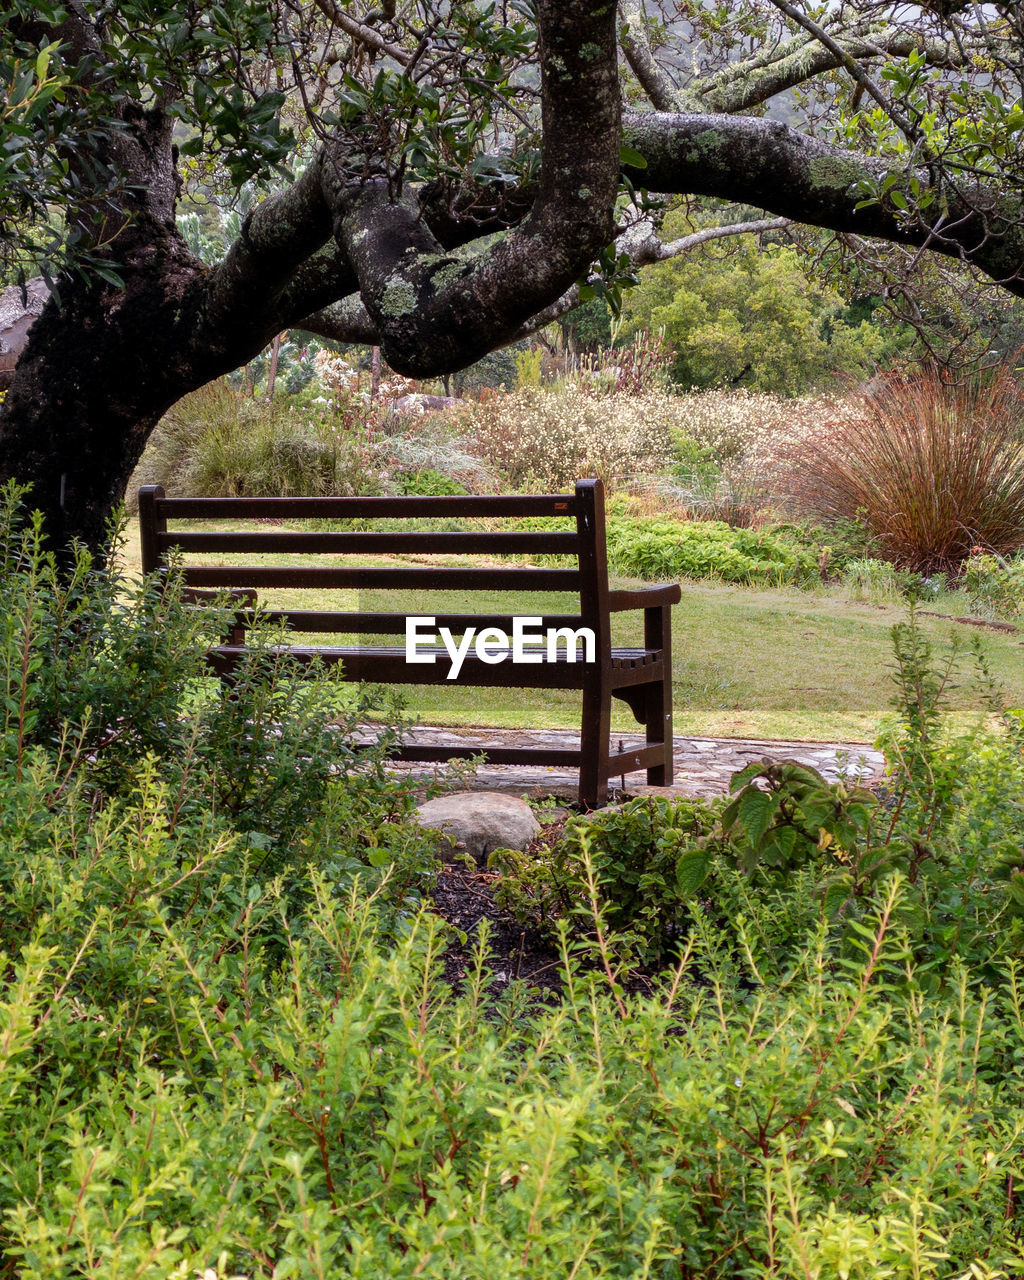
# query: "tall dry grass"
932,467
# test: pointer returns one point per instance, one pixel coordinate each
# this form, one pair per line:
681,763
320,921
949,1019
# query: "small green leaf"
632,158
691,870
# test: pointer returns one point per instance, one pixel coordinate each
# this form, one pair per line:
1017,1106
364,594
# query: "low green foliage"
950,823
667,549
642,858
994,585
427,482
228,1048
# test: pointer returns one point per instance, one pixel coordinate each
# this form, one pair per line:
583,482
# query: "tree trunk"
98,372
275,352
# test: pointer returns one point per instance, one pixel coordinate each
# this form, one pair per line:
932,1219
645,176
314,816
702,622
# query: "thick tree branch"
765,163
277,238
437,311
345,321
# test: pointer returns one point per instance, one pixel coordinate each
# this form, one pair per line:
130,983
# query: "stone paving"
703,766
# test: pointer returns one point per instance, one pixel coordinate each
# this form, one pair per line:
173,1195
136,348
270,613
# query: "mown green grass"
747,662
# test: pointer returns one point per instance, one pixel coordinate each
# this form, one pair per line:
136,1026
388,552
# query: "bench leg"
658,726
595,732
658,702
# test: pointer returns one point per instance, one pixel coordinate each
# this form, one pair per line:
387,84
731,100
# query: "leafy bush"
994,585
104,676
218,442
666,548
427,482
932,467
642,858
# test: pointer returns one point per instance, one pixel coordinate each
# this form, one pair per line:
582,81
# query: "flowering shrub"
336,374
752,426
549,439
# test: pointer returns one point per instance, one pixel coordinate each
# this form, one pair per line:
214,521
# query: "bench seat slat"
388,666
372,624
430,576
473,543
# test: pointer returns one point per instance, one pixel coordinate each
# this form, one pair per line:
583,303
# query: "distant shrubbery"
548,439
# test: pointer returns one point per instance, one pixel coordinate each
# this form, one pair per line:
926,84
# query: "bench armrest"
644,597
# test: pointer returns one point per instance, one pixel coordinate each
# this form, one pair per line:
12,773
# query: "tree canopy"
441,175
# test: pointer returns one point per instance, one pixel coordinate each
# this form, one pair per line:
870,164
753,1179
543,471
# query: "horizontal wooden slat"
548,504
425,576
646,757
644,597
388,666
496,755
385,624
473,543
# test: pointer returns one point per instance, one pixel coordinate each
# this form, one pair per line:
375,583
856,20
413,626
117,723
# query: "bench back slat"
472,543
366,579
549,504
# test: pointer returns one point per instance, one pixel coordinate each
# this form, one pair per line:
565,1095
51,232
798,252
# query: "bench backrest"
586,543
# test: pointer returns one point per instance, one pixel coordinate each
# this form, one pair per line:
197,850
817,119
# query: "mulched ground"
516,953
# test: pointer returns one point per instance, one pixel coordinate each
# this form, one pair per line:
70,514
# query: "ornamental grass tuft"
933,468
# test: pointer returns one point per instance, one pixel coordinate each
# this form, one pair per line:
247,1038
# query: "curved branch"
362,33
345,321
437,311
750,83
278,236
764,163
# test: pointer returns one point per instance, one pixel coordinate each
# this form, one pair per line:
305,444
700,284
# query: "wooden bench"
639,676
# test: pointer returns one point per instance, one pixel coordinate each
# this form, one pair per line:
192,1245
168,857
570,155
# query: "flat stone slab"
702,766
478,822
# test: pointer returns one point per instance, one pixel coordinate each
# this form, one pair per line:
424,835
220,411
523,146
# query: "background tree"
750,317
439,175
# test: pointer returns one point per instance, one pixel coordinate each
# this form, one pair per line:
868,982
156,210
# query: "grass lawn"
747,662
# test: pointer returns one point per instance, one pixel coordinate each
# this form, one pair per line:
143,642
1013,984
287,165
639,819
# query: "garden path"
703,766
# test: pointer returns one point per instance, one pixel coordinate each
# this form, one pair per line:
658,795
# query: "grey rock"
477,822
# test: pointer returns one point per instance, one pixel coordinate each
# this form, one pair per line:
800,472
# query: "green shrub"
667,548
427,483
644,858
219,442
994,585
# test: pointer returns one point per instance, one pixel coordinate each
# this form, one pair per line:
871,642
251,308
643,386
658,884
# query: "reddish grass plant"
932,467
